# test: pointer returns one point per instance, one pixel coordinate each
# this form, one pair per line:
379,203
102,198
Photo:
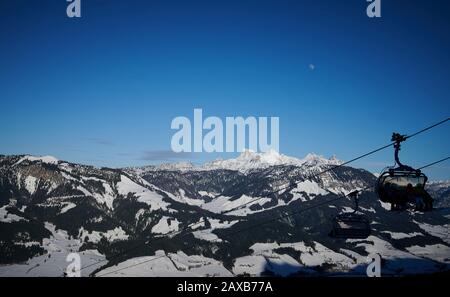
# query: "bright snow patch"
224,203
111,235
207,194
44,159
166,225
167,265
31,184
401,235
396,261
281,265
181,197
385,205
67,206
437,252
206,235
442,232
53,263
218,224
126,186
6,217
315,255
265,259
310,187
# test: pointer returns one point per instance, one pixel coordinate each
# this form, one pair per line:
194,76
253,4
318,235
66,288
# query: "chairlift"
392,183
351,225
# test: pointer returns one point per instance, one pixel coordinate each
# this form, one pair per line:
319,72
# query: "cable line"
434,163
337,166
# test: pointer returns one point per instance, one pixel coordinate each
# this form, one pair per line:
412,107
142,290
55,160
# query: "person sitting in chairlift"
389,195
415,197
427,200
397,199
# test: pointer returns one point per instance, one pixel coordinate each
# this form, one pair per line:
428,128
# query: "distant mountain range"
440,190
248,160
185,220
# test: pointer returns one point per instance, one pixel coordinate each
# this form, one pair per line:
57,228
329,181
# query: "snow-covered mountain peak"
271,157
43,159
314,159
249,160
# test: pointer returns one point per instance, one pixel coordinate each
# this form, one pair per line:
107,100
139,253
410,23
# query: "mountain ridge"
248,160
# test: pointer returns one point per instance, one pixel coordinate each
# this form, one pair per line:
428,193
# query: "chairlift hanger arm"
398,138
354,195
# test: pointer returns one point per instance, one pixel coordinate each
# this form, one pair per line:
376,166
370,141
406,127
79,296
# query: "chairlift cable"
434,163
337,166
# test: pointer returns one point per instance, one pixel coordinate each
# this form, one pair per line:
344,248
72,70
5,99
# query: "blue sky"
104,89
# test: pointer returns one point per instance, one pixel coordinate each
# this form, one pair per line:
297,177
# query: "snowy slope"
54,263
167,265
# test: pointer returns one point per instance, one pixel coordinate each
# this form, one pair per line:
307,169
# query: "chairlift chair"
351,225
392,183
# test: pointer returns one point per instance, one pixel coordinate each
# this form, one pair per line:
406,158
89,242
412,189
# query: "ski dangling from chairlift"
402,184
351,225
